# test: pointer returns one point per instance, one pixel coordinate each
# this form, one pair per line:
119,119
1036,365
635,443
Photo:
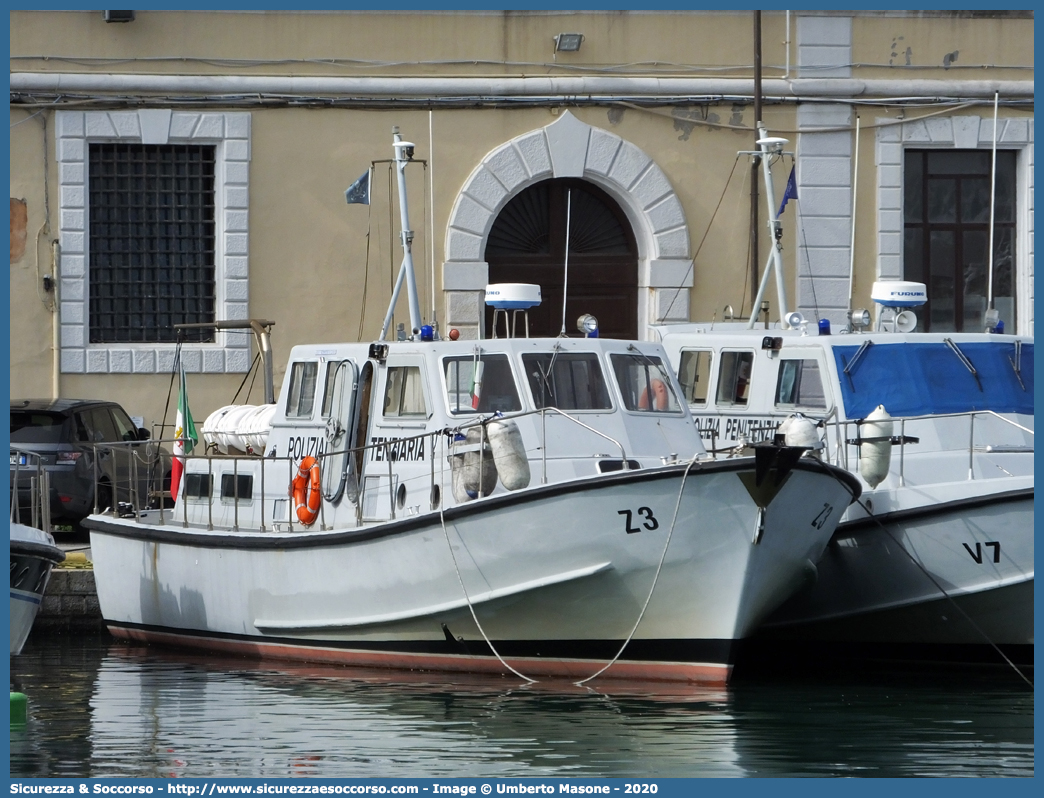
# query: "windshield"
480,384
34,426
566,380
644,383
926,378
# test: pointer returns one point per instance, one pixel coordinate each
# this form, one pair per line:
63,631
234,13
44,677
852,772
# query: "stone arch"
570,148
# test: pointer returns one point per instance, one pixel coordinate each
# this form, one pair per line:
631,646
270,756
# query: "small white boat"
33,554
938,428
543,505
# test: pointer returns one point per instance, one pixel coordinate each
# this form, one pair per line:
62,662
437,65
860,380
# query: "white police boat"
33,555
542,506
937,427
33,550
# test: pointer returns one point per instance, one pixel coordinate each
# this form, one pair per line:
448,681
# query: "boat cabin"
398,428
944,391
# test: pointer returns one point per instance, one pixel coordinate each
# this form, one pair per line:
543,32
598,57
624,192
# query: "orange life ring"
306,491
659,390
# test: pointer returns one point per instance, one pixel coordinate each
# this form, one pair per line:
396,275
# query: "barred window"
151,239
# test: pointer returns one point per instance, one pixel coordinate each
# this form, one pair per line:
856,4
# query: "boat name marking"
301,446
820,520
649,523
753,429
977,554
396,449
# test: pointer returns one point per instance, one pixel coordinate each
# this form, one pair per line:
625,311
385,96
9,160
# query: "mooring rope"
931,578
656,577
645,605
456,567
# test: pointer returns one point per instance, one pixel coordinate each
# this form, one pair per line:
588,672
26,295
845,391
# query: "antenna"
993,195
851,243
431,211
565,277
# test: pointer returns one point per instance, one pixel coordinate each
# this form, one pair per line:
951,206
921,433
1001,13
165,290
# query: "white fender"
799,430
468,466
509,454
875,456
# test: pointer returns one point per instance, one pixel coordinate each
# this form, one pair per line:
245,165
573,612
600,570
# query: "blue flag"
790,193
358,193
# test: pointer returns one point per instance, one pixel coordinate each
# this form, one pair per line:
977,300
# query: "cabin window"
566,380
694,375
237,486
363,422
484,385
333,369
734,377
644,383
800,384
404,393
197,486
301,397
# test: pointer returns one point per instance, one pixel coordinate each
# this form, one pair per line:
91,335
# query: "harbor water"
99,708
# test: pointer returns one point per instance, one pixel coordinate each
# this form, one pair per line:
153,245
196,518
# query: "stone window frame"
965,132
230,134
569,147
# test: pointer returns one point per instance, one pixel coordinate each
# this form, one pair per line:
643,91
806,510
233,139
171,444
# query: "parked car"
78,442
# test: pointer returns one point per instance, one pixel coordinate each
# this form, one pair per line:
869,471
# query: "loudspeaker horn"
906,321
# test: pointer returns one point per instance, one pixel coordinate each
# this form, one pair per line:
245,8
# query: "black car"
79,442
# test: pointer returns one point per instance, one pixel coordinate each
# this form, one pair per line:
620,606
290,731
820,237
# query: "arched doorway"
526,244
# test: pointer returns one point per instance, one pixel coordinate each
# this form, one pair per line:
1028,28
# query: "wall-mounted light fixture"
119,16
568,42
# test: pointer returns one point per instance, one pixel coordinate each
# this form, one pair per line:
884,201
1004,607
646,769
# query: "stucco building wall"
653,108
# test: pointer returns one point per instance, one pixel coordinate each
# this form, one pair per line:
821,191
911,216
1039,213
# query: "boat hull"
32,558
551,579
955,573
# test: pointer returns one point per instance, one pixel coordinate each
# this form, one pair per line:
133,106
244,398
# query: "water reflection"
116,710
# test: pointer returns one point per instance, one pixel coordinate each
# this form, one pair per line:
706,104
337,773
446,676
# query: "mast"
767,147
403,156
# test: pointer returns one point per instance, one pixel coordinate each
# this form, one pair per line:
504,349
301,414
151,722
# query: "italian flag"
476,385
185,433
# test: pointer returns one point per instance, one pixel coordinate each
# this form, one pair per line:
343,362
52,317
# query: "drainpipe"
56,349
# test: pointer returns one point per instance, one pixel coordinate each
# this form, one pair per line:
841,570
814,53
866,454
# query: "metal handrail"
465,424
39,489
841,439
840,454
133,450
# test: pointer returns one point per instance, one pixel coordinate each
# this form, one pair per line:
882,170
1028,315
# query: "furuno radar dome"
512,296
899,294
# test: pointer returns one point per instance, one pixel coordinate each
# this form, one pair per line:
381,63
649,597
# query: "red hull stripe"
712,674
